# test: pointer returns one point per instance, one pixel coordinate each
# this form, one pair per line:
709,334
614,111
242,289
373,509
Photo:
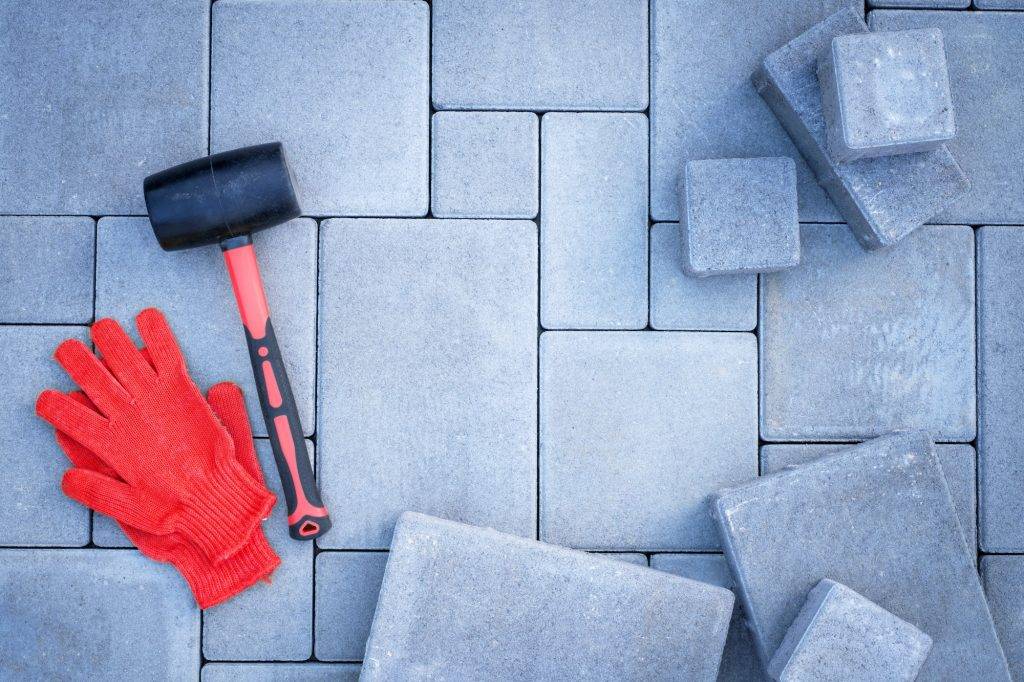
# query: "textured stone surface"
347,585
343,84
281,672
421,313
540,54
878,518
634,436
925,4
594,222
999,4
628,557
1003,576
855,343
450,589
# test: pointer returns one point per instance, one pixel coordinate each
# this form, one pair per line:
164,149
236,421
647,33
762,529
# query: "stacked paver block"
1003,577
460,602
275,672
347,587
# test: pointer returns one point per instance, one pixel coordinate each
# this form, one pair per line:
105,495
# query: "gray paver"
93,614
1003,576
281,672
999,4
628,557
484,164
594,223
343,84
924,4
883,198
449,589
878,518
540,54
347,585
855,344
428,374
96,97
192,288
634,436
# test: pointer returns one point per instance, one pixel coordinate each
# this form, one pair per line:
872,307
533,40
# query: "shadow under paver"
460,602
96,97
280,672
345,87
92,614
878,518
427,388
637,429
855,344
347,585
1003,577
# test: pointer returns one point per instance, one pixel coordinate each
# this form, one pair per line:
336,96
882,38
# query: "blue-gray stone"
883,199
344,85
999,4
878,518
1003,577
855,344
94,614
634,436
542,55
925,4
428,374
484,164
466,603
347,585
281,672
628,557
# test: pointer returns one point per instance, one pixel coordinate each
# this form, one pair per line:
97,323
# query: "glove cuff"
213,584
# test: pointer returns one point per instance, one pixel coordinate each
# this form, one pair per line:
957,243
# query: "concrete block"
629,557
839,634
1003,576
923,4
484,164
634,437
878,518
594,223
347,585
541,55
883,199
279,672
999,4
738,216
883,340
345,87
428,374
460,602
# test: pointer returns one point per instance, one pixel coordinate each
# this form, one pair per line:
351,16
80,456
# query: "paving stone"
281,672
703,105
1003,576
93,614
999,4
347,585
450,590
839,634
883,340
192,288
634,437
878,518
540,54
96,97
35,512
344,85
438,313
924,4
594,223
883,199
628,557
739,216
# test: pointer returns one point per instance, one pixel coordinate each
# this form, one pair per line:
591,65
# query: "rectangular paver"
347,585
1002,577
278,672
999,4
924,4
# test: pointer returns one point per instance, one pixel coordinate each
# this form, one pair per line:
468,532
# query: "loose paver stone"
278,672
1003,576
347,585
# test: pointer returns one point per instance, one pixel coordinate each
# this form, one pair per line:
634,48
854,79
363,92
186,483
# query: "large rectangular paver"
1003,577
347,585
280,672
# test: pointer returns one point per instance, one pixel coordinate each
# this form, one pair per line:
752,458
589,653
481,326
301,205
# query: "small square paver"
634,437
279,672
347,586
738,216
594,222
345,87
886,93
484,164
855,344
428,374
1003,576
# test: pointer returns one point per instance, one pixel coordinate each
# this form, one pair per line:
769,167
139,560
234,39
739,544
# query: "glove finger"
74,419
80,455
228,404
86,370
117,500
120,355
159,340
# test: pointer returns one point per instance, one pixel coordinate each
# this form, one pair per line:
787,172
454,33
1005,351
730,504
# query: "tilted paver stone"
428,374
281,672
460,602
1003,577
347,585
855,344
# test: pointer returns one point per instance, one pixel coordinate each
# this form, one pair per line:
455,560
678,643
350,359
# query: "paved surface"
493,360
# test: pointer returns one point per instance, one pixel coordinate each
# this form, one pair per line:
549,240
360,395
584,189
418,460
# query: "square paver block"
539,54
855,344
840,634
94,614
192,288
343,84
637,429
886,93
34,510
484,164
97,96
347,585
281,672
1003,576
46,268
878,518
883,199
738,216
428,374
594,223
460,602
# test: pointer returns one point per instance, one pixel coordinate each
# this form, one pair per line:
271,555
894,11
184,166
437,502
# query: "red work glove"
174,461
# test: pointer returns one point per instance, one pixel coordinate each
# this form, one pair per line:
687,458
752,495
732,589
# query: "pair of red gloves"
177,471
